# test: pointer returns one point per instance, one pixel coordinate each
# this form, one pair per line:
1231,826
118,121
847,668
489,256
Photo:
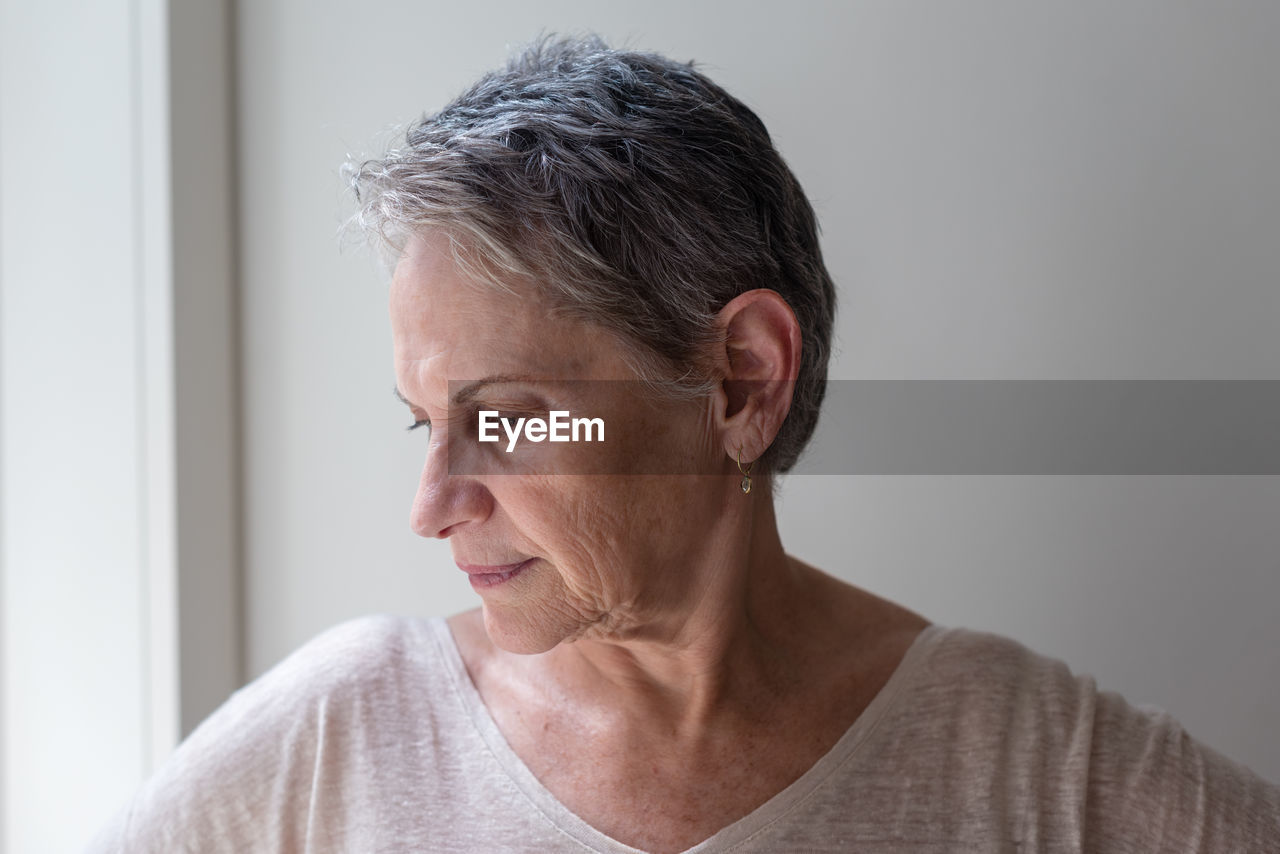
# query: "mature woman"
609,235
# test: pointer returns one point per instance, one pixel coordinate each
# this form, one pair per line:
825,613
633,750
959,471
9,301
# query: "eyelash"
421,423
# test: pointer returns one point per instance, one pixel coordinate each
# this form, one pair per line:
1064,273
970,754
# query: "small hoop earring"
746,473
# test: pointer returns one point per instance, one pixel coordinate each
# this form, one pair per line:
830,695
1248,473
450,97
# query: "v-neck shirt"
373,738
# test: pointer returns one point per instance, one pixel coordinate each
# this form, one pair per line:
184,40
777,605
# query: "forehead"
428,271
456,329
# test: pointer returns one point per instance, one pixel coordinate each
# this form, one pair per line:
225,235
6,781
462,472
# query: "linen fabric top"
372,738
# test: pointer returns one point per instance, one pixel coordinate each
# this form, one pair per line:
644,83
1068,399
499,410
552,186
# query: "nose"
444,502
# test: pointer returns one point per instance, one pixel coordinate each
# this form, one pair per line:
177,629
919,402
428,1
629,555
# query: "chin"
511,629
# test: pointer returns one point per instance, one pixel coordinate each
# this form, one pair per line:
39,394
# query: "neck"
719,643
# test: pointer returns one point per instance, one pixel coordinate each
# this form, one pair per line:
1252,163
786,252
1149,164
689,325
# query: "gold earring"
746,473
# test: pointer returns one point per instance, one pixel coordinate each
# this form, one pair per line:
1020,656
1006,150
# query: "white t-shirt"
372,738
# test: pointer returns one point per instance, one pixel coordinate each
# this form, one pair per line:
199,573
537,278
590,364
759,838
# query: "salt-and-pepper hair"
632,192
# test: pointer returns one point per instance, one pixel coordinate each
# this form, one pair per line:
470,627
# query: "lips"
482,577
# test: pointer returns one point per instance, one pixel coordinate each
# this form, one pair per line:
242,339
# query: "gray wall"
1088,190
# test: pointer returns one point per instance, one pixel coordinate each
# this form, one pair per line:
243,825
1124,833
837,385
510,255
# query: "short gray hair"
634,193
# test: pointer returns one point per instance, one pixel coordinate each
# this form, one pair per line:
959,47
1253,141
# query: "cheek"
675,439
616,540
586,526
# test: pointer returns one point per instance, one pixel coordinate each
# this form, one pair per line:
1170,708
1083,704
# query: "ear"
761,360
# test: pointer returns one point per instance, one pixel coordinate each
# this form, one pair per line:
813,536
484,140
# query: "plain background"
1081,190
1007,191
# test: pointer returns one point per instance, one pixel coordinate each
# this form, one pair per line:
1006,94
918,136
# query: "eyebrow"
470,390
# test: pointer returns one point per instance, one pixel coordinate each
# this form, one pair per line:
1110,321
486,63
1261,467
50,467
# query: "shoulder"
248,771
1151,784
352,655
1001,719
356,658
987,680
1089,765
359,658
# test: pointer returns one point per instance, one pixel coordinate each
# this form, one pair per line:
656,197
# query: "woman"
612,236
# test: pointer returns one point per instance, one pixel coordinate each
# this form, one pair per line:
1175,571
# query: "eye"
422,422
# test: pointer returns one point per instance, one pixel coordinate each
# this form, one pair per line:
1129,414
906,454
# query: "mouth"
484,577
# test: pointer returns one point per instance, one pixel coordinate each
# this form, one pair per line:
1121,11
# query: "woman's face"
561,540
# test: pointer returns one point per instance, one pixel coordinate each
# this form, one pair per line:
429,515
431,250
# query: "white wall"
73,473
1083,190
118,545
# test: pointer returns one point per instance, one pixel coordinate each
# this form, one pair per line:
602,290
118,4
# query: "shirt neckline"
727,838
